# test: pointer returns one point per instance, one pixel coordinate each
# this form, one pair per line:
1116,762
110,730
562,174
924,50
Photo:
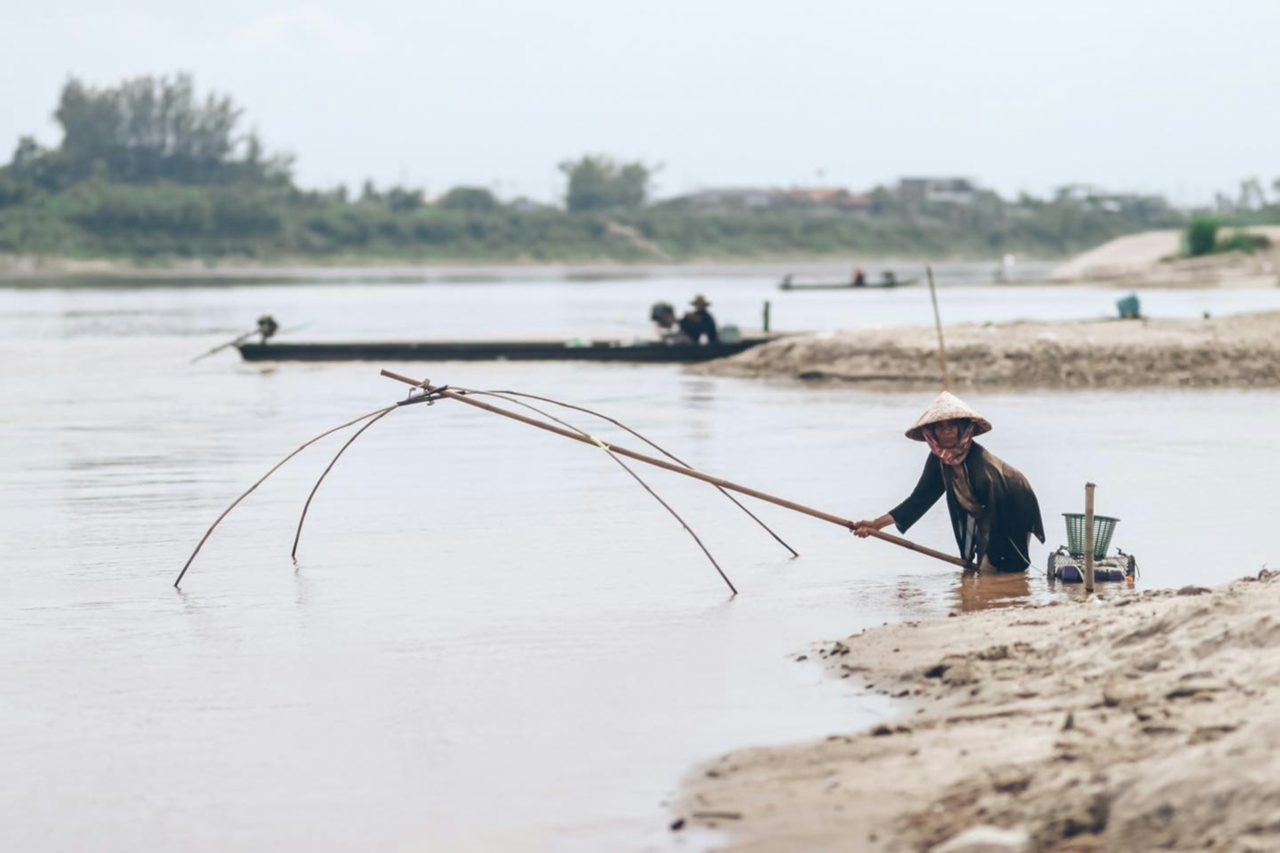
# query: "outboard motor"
663,313
267,327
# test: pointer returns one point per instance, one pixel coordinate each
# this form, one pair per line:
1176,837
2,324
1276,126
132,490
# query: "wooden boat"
787,284
645,352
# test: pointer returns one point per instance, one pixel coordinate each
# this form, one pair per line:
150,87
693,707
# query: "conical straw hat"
945,408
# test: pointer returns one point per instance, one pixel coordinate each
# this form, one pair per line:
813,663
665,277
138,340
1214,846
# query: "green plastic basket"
1103,527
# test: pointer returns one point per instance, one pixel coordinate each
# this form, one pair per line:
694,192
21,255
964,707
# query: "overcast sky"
1174,97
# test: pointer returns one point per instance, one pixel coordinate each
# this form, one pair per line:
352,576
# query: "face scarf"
951,455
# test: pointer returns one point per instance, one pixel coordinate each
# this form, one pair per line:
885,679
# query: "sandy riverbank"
1153,259
1237,351
37,269
1146,721
17,268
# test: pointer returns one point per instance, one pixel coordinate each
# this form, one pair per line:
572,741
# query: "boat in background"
643,352
888,279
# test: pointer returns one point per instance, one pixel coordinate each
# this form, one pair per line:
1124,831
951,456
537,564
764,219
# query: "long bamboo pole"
235,342
656,447
220,347
688,472
937,323
625,467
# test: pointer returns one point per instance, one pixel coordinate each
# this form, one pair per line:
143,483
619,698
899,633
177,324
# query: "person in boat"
669,331
859,278
993,510
699,323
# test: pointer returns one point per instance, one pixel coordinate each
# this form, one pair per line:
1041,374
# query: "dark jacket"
1010,510
695,324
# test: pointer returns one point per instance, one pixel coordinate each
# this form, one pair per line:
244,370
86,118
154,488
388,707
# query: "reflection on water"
698,393
992,590
1104,590
973,591
481,613
965,592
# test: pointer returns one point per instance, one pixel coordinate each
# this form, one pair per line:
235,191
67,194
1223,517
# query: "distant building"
834,198
831,200
528,205
1092,196
726,200
815,195
856,203
937,190
1075,192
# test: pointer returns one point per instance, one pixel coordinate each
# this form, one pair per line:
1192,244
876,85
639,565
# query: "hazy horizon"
1129,96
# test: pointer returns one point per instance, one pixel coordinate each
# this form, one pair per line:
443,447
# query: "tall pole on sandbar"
1088,536
937,322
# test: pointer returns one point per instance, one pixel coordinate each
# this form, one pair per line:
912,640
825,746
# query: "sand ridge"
1241,351
1140,722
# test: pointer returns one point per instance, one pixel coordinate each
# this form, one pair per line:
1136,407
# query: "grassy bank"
163,223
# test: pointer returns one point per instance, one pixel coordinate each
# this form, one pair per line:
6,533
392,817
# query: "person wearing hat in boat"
993,510
699,323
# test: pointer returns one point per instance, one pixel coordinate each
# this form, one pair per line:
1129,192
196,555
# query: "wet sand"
1240,351
1134,722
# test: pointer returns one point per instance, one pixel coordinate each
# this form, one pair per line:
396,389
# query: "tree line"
149,169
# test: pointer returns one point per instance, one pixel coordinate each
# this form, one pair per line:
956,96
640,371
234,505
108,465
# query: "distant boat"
887,281
653,352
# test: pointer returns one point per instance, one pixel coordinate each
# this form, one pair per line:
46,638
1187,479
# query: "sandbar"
1133,721
1239,351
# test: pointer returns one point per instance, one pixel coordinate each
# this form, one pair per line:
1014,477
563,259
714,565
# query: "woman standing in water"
993,509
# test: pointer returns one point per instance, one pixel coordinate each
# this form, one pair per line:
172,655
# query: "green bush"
1242,241
469,200
237,213
1201,237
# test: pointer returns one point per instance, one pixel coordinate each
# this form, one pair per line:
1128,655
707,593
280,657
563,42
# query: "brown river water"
492,639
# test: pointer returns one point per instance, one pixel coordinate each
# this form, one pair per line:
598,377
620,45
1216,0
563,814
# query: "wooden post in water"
1088,536
766,315
937,322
